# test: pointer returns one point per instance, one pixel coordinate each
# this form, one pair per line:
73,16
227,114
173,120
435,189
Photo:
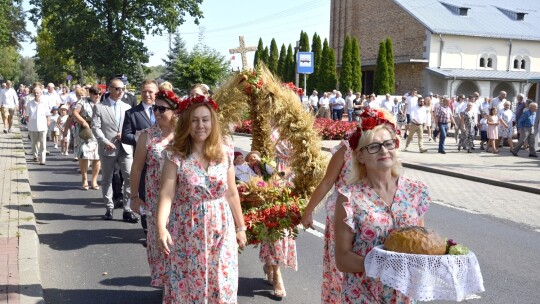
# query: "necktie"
152,117
117,114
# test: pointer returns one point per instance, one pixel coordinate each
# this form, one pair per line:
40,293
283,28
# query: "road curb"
30,288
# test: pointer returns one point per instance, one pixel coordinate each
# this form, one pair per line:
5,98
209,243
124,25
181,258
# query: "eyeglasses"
94,93
376,147
160,109
118,89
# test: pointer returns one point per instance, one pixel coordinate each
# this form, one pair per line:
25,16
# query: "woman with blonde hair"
376,201
198,210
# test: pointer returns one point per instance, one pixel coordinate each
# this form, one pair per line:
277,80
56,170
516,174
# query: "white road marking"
316,232
456,207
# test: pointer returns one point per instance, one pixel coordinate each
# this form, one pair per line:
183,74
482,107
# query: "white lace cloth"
426,277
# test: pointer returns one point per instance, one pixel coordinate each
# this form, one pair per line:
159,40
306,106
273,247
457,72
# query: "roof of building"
485,74
508,19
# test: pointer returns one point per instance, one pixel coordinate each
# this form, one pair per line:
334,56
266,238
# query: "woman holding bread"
377,200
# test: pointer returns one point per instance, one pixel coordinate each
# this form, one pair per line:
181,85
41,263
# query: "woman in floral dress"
493,131
151,143
377,201
281,252
198,197
468,122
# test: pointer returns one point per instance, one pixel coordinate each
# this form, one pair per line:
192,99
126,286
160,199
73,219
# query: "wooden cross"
242,49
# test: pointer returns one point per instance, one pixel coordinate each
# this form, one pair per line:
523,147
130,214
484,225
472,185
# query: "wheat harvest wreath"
273,106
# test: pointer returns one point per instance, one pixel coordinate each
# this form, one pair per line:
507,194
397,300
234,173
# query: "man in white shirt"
324,106
37,114
349,105
314,102
53,97
373,103
498,102
412,101
8,102
387,104
418,120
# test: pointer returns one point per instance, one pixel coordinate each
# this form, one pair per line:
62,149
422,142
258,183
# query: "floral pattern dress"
371,220
155,145
332,279
469,120
203,264
283,251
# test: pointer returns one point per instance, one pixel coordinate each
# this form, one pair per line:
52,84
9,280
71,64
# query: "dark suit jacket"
136,120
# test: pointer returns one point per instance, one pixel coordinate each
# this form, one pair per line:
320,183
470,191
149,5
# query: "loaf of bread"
415,240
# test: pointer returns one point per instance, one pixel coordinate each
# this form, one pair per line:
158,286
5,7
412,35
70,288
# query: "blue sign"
305,63
69,77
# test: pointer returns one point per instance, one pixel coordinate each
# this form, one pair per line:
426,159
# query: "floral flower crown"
369,119
171,98
297,90
198,99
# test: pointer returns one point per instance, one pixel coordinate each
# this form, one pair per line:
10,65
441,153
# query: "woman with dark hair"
198,208
88,146
493,130
151,143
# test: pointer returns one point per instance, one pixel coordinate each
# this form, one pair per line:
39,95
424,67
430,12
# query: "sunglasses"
160,109
93,93
118,89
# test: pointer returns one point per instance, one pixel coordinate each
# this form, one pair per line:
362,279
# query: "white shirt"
37,113
412,101
374,104
419,115
324,102
147,109
349,102
387,104
9,98
243,172
497,103
314,100
53,99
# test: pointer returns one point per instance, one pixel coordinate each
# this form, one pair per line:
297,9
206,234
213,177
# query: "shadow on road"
82,238
102,296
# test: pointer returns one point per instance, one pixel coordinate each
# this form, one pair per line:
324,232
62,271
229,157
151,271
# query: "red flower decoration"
198,99
369,123
370,119
169,96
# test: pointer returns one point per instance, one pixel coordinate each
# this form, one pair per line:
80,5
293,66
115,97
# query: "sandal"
85,186
268,274
95,187
279,289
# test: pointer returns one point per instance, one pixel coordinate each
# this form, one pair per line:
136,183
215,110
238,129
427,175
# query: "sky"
225,20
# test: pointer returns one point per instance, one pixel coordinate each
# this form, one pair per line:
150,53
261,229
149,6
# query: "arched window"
490,63
516,64
523,64
482,63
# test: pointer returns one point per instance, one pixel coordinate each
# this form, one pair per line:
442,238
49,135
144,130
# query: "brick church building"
447,47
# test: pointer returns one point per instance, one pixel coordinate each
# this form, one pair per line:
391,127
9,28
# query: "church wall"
409,76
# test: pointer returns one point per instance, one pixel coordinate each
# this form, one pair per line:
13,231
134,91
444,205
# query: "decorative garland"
272,104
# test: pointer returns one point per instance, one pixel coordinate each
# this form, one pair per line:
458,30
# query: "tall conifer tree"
313,79
357,67
390,63
273,57
289,65
281,62
328,75
380,79
346,72
258,53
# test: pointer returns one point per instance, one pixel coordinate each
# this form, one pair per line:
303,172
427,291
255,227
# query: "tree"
138,75
265,55
109,35
12,23
289,66
356,66
155,72
9,63
273,57
28,73
390,63
346,72
281,62
178,52
258,53
303,47
380,78
328,75
203,65
316,48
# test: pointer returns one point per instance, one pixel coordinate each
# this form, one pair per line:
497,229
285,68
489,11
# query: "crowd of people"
166,157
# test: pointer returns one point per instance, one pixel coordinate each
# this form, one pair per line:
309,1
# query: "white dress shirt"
418,115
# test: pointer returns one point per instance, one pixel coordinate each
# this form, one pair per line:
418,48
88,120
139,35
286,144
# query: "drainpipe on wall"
452,87
509,55
441,46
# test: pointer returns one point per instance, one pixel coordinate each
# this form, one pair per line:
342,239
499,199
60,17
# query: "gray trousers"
107,169
526,134
39,143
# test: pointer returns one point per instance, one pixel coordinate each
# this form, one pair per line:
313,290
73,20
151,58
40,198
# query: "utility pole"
296,75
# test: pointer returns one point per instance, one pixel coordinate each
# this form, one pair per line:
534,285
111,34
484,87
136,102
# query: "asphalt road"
85,259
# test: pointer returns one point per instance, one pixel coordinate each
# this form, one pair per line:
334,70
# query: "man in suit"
139,118
107,127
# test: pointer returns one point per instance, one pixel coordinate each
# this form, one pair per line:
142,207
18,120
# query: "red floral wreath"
171,98
370,118
297,90
198,99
